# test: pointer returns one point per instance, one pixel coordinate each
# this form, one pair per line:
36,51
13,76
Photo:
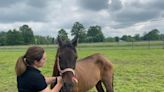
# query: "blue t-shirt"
31,81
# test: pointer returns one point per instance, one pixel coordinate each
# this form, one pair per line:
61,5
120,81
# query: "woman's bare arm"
50,80
56,88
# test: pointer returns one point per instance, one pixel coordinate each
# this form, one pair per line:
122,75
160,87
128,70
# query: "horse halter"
65,70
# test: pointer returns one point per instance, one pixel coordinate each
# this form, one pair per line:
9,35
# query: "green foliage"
14,37
27,34
2,38
95,34
137,37
152,35
23,36
63,35
162,37
43,40
109,39
117,39
79,30
127,38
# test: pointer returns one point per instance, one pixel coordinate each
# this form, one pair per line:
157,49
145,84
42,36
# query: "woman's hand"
57,87
50,80
59,81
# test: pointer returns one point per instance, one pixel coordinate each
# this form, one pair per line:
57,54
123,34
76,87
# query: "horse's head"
66,62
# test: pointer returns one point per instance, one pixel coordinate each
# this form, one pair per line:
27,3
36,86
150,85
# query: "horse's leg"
108,81
99,87
106,68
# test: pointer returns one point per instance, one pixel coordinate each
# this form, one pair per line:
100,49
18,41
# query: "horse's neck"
55,69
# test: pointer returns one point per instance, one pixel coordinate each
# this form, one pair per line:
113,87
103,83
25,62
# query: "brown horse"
86,73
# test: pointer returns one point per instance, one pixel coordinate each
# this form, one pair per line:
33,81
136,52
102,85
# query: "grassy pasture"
136,70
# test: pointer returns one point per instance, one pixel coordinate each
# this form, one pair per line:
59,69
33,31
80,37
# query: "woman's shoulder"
32,80
34,73
31,74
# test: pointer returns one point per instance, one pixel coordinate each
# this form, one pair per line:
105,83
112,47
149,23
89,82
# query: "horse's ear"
75,41
60,42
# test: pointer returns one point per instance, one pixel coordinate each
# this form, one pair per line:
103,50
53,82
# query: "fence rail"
102,45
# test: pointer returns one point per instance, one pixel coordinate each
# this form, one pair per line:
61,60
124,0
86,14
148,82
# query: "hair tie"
24,59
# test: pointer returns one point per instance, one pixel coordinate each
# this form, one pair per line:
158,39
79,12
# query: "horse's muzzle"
70,86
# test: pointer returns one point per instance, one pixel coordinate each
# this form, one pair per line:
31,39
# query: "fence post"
149,44
163,43
132,44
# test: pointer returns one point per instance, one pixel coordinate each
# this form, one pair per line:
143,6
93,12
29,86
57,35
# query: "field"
140,69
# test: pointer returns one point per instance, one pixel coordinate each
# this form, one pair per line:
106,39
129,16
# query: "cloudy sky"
116,17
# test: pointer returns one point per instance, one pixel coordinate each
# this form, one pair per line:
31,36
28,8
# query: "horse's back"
89,70
96,60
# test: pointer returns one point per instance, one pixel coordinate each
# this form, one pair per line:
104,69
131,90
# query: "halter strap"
65,70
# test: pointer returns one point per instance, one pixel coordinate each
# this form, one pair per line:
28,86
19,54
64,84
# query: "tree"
53,40
14,37
79,30
137,37
95,34
109,39
162,37
23,36
9,38
63,35
124,38
18,37
152,35
117,39
2,38
127,38
27,34
43,40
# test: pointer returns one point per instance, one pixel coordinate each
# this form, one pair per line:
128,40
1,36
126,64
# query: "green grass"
137,70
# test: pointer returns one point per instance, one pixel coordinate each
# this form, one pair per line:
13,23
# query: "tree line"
153,35
24,36
94,34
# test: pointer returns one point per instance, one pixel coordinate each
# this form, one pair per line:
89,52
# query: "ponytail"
20,66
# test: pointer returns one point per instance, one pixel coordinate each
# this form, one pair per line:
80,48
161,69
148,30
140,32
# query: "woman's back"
31,80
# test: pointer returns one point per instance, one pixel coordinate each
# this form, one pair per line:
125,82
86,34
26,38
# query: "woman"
29,78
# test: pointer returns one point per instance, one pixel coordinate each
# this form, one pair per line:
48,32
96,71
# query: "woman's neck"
35,66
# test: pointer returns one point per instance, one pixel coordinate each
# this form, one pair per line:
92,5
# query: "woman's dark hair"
34,53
